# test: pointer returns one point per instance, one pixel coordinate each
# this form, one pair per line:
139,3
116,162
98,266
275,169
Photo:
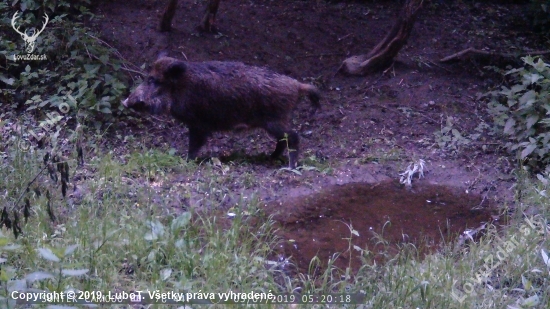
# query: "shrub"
522,111
79,70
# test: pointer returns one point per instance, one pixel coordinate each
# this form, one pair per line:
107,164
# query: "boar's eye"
152,81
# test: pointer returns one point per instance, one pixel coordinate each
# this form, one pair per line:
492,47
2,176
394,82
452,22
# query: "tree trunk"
209,20
166,21
384,53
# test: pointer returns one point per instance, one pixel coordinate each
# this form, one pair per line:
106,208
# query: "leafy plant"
78,74
450,138
521,112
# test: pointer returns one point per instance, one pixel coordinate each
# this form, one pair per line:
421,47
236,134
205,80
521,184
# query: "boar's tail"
313,94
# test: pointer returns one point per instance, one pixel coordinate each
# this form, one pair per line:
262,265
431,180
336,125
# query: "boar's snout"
131,100
134,103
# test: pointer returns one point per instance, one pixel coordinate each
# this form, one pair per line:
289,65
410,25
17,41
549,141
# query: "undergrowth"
75,77
520,112
116,231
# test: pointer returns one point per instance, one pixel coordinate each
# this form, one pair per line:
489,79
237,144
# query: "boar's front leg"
278,131
197,138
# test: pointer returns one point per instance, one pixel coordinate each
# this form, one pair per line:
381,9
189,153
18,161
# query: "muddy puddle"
424,215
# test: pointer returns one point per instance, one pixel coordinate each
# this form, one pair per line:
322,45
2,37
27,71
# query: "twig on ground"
345,36
321,55
491,53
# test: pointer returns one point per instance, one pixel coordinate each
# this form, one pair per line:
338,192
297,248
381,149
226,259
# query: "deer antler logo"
30,38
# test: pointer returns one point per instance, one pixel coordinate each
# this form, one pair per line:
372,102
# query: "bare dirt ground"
370,128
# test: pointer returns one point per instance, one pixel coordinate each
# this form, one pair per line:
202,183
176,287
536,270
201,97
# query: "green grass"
127,231
122,237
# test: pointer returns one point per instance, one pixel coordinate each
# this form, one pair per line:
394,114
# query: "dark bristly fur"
220,96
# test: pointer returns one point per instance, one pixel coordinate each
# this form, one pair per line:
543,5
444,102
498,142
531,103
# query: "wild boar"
221,96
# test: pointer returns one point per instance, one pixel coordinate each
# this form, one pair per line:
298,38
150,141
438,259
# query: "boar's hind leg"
197,138
169,11
278,131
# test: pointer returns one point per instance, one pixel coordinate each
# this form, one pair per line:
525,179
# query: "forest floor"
369,128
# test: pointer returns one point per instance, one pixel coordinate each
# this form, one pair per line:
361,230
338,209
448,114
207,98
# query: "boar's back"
220,95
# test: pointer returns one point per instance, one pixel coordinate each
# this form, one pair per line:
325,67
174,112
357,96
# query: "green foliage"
153,162
125,233
521,112
79,72
114,233
450,138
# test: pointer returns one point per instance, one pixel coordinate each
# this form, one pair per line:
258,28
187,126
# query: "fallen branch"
491,53
345,36
383,54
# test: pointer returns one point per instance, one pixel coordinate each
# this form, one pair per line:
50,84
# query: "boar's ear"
175,70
